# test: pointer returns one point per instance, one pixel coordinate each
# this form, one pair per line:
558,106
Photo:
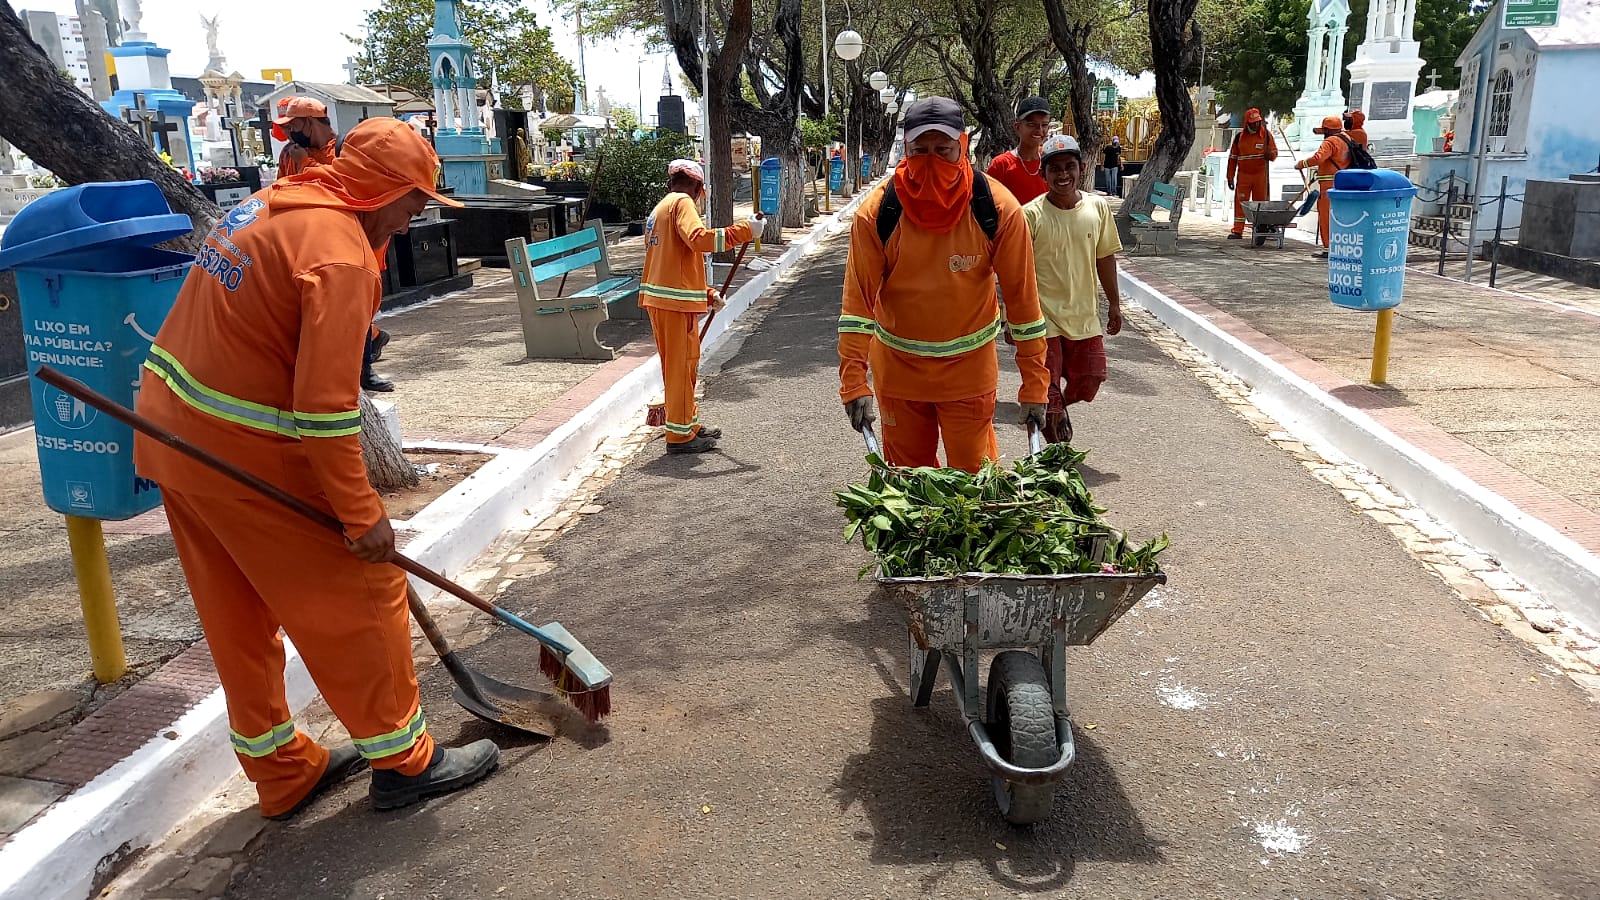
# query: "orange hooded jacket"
676,241
921,311
259,361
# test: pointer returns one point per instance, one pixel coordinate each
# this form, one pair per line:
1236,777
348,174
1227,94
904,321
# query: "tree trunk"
1072,39
1173,37
990,103
682,19
45,116
387,467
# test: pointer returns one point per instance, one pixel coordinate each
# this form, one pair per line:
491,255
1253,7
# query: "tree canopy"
507,36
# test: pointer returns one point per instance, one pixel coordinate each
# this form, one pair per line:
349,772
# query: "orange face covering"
934,191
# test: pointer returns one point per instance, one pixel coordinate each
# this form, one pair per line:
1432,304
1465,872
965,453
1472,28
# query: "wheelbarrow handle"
1035,440
873,446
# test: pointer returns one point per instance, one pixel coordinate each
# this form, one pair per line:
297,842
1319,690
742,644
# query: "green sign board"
1105,97
1532,13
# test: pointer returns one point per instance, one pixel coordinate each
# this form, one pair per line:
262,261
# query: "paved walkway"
1514,377
1304,711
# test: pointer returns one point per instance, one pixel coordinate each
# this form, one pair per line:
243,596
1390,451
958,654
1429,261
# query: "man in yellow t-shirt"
1074,243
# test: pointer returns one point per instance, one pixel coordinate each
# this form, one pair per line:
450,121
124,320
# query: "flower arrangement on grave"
210,175
46,180
264,161
571,171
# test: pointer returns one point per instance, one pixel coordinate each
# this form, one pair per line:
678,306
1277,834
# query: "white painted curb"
1540,556
136,802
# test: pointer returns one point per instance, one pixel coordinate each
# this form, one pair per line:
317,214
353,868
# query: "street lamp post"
848,45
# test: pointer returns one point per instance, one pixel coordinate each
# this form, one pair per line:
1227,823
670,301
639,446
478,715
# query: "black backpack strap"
983,209
889,211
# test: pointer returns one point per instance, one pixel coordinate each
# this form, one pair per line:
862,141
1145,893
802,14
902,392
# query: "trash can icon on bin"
1369,223
93,291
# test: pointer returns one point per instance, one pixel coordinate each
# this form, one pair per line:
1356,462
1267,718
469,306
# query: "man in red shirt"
1018,169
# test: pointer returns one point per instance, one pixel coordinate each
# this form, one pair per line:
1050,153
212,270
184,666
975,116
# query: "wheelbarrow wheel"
1022,723
1260,238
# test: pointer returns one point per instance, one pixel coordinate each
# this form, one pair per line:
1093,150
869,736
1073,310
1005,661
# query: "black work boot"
710,431
342,763
700,443
377,344
1235,236
450,770
372,381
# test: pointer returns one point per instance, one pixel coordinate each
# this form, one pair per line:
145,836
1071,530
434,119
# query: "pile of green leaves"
1036,518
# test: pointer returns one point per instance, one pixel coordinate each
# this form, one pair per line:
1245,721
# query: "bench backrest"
564,254
1165,195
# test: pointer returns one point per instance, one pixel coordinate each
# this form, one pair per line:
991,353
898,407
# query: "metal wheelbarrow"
1022,726
1269,218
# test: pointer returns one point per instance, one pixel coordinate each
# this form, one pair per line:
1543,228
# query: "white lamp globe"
893,107
878,80
886,95
848,45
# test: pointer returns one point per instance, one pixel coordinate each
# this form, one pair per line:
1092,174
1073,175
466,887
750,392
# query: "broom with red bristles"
576,674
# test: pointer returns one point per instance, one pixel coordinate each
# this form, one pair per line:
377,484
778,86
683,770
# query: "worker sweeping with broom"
919,306
674,293
259,363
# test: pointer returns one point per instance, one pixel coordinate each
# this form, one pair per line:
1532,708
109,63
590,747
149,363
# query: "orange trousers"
1323,208
254,567
912,429
1248,186
678,343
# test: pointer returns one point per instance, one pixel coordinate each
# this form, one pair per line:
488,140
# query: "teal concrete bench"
563,326
1159,235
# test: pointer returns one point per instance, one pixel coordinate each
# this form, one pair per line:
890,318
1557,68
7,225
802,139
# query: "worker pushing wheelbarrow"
1020,719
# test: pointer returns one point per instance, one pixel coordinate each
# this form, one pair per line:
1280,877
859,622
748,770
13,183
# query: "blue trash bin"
1369,221
93,292
771,185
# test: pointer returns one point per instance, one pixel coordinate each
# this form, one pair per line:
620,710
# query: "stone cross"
262,124
1433,79
236,127
350,68
141,117
165,129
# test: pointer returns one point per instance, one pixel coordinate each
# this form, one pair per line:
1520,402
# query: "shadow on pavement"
920,783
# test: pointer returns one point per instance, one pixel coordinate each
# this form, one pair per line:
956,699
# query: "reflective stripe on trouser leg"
678,345
400,740
247,651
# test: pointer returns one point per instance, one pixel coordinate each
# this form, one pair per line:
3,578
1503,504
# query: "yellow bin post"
1380,346
755,194
99,600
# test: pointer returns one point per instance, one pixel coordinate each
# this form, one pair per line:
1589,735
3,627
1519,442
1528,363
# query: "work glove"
1033,414
862,415
758,224
1230,185
715,301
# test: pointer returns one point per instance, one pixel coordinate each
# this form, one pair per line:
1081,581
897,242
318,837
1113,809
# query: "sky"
260,36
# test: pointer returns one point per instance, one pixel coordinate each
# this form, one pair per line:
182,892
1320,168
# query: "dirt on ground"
444,470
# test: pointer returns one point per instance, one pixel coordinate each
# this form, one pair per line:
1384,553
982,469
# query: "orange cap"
300,108
1252,115
389,155
277,130
1330,125
1358,118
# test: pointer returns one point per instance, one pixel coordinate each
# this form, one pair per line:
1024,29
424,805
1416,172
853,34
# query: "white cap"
1059,144
687,167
